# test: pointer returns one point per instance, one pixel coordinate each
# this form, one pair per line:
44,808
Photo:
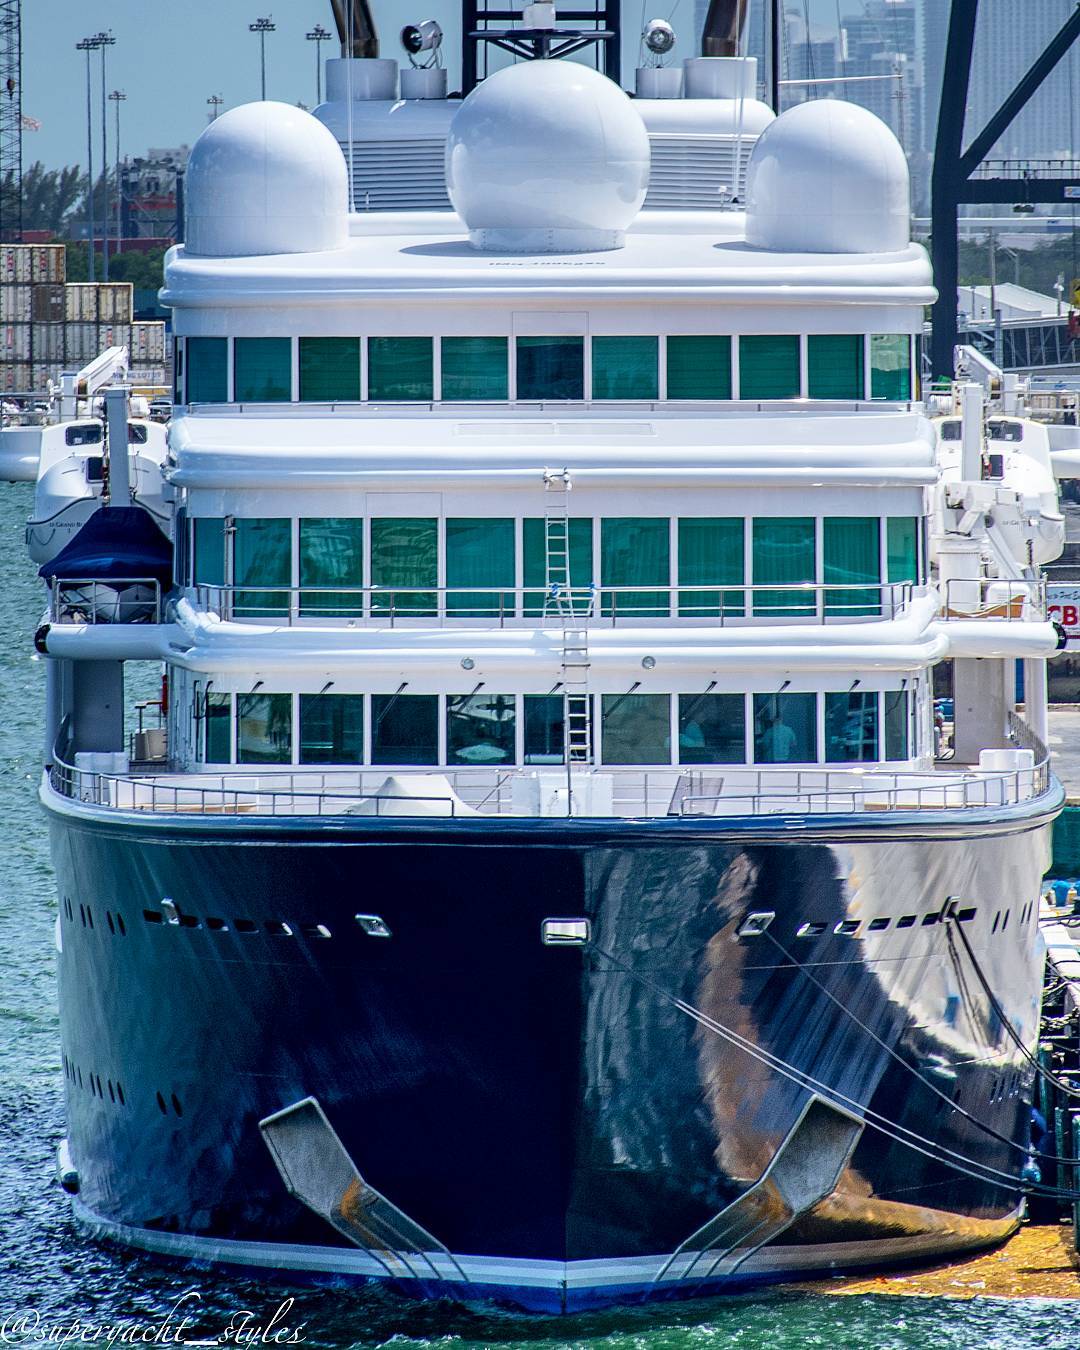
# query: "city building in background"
152,195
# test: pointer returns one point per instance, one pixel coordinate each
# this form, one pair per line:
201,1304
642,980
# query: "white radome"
547,157
265,178
828,177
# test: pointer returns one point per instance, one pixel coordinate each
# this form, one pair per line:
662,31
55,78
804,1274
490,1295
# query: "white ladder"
559,600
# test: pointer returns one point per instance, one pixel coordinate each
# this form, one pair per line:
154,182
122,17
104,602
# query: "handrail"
1017,599
653,791
719,603
64,607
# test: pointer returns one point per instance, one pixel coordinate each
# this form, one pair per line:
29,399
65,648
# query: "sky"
169,58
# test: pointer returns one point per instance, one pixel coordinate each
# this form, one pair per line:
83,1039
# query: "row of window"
495,552
483,729
498,369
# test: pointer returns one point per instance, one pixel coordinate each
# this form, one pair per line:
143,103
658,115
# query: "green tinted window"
851,727
543,728
626,367
475,369
636,728
218,709
331,728
404,728
262,370
480,729
209,559
901,543
479,552
712,729
890,367
263,728
785,728
711,553
262,558
897,724
569,544
404,553
769,366
834,365
852,549
400,370
207,369
635,551
550,368
329,369
784,554
332,554
699,367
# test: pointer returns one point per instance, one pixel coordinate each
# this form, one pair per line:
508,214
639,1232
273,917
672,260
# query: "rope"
1066,1088
878,1040
928,1148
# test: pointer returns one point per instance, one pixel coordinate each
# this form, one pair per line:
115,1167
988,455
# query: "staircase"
572,613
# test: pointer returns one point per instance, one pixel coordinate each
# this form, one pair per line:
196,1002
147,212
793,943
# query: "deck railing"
531,606
615,793
90,600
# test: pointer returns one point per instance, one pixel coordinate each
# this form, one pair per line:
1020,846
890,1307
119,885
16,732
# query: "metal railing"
93,601
661,792
720,604
1019,599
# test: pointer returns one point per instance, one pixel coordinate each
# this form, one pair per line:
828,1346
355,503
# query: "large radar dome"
265,178
547,157
828,177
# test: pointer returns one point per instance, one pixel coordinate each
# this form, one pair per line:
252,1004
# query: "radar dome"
828,177
265,178
547,157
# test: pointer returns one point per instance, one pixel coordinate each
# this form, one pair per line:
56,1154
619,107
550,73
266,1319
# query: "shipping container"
14,378
80,302
41,376
148,342
47,303
113,335
15,263
114,302
80,344
47,343
14,342
15,304
47,262
149,377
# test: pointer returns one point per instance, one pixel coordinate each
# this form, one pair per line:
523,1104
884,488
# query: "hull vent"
405,175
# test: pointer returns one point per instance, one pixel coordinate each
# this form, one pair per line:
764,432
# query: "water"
53,1281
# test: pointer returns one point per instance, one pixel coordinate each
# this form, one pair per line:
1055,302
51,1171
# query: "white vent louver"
688,173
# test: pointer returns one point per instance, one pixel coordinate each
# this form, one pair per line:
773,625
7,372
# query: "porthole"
161,1104
176,1104
1005,921
216,925
966,915
315,930
108,920
997,920
278,927
153,916
120,1093
906,921
810,930
245,926
120,925
878,925
847,927
928,920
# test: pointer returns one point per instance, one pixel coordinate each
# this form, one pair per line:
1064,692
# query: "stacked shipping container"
48,325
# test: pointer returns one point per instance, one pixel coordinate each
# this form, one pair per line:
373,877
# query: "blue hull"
547,1113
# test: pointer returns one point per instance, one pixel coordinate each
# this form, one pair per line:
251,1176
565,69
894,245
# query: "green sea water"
57,1287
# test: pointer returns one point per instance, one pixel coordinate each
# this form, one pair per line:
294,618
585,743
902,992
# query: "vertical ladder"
573,614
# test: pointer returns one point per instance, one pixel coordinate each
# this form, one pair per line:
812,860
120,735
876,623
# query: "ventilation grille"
688,173
399,175
696,172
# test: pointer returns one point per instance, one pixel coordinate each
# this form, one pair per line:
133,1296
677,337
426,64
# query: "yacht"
547,883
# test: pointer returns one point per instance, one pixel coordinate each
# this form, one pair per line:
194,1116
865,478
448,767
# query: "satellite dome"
828,177
547,157
265,178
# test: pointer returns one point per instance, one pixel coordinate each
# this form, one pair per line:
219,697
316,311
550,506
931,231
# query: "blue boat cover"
117,542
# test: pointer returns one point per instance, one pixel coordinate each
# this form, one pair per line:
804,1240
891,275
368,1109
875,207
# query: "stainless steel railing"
718,791
1020,599
721,604
93,601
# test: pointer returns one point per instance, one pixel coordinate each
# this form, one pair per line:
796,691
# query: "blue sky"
169,58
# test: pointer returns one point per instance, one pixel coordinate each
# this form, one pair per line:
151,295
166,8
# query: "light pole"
104,40
116,98
215,101
262,27
318,35
89,45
